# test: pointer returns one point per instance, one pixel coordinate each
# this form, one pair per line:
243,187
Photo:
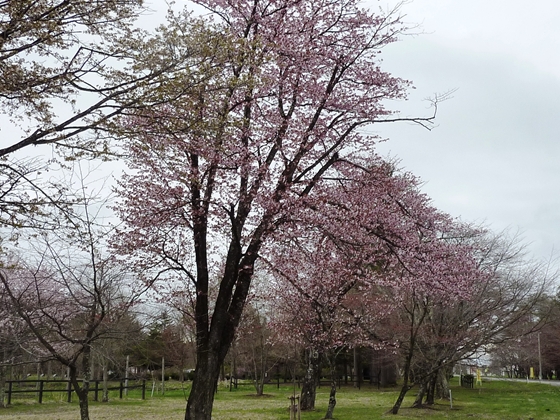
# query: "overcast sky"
494,155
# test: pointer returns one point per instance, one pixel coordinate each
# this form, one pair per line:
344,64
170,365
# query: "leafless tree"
67,292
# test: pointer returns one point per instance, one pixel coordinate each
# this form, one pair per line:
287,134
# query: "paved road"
532,381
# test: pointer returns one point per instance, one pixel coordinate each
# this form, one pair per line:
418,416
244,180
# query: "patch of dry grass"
146,410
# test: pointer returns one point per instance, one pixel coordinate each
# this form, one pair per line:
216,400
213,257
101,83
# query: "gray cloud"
494,154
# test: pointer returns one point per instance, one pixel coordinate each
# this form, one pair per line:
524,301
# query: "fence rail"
467,381
39,388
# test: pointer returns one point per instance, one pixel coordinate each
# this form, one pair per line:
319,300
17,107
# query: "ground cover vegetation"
254,213
494,400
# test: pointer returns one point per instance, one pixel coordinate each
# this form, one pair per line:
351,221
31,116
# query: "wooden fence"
37,386
467,381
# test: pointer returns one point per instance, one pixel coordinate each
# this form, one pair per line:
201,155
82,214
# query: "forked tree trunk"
420,396
215,332
310,381
415,325
212,347
430,396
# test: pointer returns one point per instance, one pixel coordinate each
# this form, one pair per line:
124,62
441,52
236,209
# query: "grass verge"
493,400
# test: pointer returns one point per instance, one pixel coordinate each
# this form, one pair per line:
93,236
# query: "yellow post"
478,377
531,373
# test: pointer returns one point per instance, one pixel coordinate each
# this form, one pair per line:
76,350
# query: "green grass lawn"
494,400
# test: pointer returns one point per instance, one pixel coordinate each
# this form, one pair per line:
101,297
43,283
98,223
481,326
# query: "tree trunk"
258,375
215,334
81,391
346,369
3,372
105,397
430,396
84,405
357,369
443,382
201,397
406,377
420,396
309,386
405,388
332,395
259,366
415,325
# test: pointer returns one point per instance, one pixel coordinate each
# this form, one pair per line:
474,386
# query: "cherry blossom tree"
282,90
349,262
505,303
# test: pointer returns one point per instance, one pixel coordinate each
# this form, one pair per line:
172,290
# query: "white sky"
493,156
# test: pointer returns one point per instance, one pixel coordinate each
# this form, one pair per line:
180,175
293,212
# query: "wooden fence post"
126,376
96,391
69,389
41,386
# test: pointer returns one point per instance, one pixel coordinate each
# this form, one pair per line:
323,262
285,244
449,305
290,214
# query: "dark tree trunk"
215,333
84,405
213,343
430,396
3,374
310,382
201,397
332,395
259,365
357,369
82,391
346,369
406,386
414,327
